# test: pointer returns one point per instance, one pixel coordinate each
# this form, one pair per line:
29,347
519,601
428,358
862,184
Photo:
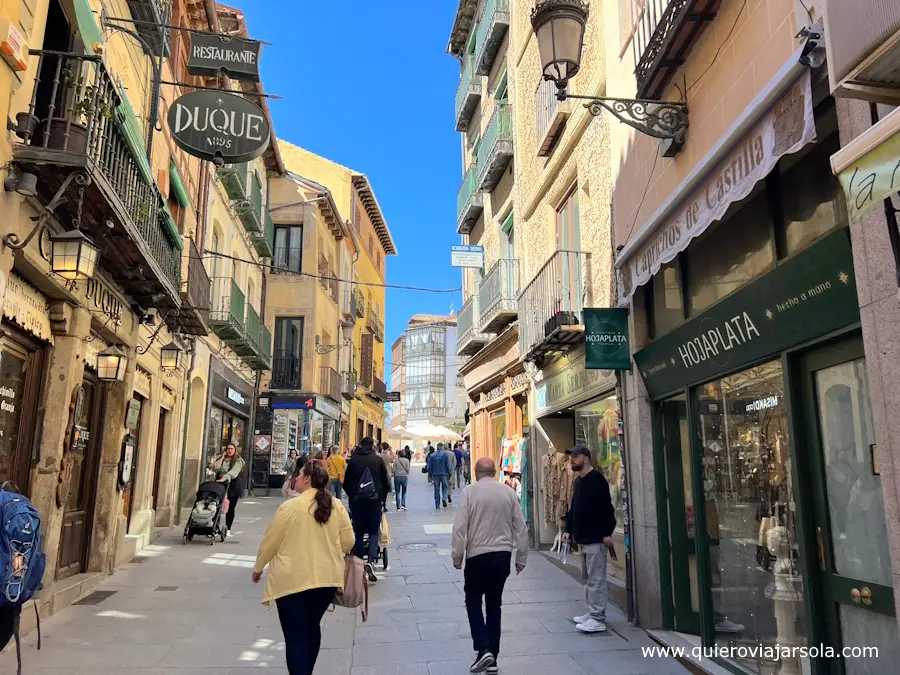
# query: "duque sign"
809,295
216,54
606,338
215,124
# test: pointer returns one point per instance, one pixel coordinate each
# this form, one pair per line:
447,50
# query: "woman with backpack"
229,467
304,548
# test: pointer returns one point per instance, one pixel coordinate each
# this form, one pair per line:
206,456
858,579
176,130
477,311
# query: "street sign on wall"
392,397
214,124
467,256
215,54
606,338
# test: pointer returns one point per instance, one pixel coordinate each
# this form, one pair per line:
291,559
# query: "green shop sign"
805,297
606,338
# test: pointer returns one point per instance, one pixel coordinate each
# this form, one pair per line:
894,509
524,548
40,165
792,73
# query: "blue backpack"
366,488
22,559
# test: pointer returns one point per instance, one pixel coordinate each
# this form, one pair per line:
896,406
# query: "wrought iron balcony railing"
438,378
196,294
324,273
468,93
79,120
228,307
551,315
551,115
348,305
424,348
360,304
425,412
348,384
379,389
330,383
287,371
496,150
469,201
469,337
498,296
264,241
374,324
492,26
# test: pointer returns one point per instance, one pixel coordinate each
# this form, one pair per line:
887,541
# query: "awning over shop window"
785,128
178,188
87,25
869,167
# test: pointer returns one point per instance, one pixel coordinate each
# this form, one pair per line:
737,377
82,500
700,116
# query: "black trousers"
485,576
366,518
301,618
232,503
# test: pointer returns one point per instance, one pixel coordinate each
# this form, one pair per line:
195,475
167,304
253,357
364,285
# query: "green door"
854,562
680,507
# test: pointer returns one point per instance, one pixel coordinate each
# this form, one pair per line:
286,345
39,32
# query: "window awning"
171,226
178,188
869,166
87,25
128,125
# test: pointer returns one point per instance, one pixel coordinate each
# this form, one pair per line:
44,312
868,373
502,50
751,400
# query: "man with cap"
590,522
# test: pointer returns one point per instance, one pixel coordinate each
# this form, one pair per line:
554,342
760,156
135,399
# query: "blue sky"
369,85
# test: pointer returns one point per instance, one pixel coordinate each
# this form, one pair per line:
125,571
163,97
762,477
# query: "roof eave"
373,210
462,25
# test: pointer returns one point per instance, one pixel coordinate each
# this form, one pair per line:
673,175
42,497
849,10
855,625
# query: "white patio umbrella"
432,432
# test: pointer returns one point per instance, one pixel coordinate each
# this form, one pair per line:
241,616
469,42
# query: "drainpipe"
184,437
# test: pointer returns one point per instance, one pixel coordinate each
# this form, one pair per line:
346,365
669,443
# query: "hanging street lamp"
170,356
72,255
111,364
559,26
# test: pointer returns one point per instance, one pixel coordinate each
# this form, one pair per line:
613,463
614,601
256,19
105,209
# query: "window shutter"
365,366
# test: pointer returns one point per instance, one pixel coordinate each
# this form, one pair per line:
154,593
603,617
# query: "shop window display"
597,427
750,512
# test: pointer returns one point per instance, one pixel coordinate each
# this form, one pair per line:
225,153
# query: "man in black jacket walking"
590,522
367,484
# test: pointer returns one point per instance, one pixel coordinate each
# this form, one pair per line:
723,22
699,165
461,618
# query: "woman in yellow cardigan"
304,547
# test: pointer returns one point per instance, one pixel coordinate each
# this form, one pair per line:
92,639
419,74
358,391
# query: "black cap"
579,450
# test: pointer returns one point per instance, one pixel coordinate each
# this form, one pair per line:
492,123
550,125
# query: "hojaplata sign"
606,338
216,54
214,124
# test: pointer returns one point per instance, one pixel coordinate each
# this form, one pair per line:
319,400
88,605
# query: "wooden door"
160,443
21,368
128,492
85,460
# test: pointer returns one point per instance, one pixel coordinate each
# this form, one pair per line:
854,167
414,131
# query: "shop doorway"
160,445
224,428
84,458
128,492
854,562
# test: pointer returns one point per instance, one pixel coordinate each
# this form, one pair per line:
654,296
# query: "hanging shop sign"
216,125
606,338
227,393
810,295
570,385
392,397
219,54
126,461
133,414
785,129
467,256
27,307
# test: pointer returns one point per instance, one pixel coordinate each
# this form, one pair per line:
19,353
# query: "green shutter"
507,224
181,195
501,89
171,226
87,25
128,125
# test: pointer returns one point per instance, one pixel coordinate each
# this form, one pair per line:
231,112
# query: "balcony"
469,340
250,208
468,94
348,305
863,45
348,384
263,241
323,272
551,316
424,348
226,316
360,304
374,324
551,116
234,179
469,202
333,286
262,360
148,12
436,378
379,389
193,318
492,26
248,346
496,151
425,413
77,121
330,383
287,372
665,32
498,296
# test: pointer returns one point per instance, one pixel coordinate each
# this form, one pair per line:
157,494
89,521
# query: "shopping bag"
384,535
356,587
225,505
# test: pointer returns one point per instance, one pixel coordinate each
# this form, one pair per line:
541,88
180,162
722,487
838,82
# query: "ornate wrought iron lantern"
111,364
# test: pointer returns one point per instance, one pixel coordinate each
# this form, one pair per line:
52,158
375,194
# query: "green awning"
128,125
87,25
177,185
171,227
507,224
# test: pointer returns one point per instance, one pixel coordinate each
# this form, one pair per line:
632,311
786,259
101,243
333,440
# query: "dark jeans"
367,520
485,576
301,618
229,517
400,490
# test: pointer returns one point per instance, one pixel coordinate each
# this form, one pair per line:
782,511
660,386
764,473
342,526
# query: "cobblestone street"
192,609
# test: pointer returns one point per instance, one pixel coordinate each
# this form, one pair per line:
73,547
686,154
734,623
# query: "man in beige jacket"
489,526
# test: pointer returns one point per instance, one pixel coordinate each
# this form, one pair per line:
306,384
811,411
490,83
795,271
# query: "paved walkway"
180,610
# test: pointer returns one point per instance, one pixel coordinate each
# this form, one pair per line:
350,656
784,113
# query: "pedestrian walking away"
366,484
336,465
451,483
438,465
401,480
304,548
387,456
489,527
460,463
229,467
289,488
590,522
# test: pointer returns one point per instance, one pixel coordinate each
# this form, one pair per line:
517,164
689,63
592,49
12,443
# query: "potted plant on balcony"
75,120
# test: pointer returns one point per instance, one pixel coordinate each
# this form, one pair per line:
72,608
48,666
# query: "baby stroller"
206,516
382,552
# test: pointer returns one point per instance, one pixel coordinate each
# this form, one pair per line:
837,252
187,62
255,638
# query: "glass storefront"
498,433
224,428
597,427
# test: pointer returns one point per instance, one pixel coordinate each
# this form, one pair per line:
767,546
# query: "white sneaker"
728,626
581,619
592,626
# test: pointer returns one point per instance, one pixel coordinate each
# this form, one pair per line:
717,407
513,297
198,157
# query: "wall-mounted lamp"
111,364
347,334
24,184
170,356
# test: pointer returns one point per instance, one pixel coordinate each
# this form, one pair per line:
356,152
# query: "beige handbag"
356,586
384,534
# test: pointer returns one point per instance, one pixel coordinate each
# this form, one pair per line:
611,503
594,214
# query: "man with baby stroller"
367,486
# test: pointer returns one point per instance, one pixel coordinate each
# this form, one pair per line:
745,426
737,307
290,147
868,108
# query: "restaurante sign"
213,124
216,54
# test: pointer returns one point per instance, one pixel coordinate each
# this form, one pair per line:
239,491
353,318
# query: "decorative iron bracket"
146,348
81,179
665,120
